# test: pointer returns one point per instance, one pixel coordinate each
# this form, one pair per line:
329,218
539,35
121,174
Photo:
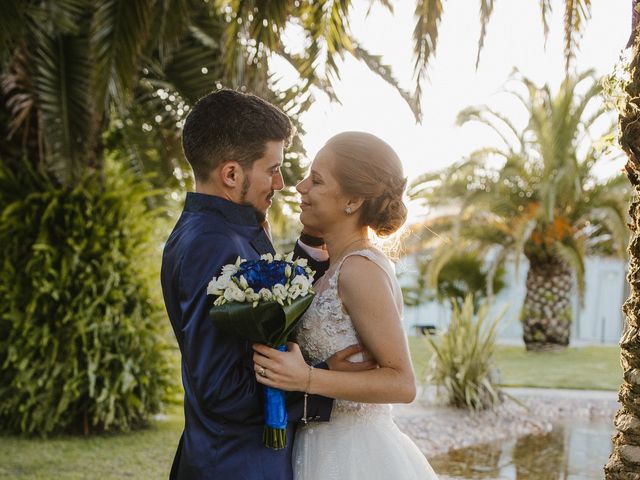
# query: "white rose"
301,282
243,282
287,271
277,256
294,291
251,295
267,256
234,294
301,262
279,292
223,282
212,289
289,257
218,285
229,269
265,294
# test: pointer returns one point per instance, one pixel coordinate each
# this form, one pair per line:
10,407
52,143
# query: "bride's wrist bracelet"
308,389
304,419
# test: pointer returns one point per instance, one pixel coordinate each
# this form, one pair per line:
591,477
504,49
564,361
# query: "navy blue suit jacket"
223,404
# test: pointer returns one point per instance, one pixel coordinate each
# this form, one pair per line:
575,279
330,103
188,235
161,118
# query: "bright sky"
514,39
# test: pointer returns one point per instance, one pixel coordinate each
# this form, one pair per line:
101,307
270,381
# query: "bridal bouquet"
261,301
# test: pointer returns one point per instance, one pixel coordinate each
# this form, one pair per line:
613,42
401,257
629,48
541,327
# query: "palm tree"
543,201
625,458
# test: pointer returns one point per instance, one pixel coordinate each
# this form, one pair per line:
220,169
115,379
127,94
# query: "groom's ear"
230,174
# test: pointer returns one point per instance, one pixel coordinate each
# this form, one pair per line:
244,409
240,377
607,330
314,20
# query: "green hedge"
83,333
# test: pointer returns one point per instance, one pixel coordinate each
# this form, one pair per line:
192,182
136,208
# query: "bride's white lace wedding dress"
361,441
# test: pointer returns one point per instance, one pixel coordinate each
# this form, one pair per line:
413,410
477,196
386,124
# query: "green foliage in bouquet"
83,339
462,360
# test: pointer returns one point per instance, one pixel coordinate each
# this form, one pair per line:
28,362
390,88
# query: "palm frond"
13,25
595,116
486,9
442,186
385,3
375,64
428,14
421,183
193,68
119,31
577,13
488,116
66,15
438,260
266,23
521,234
20,99
615,219
545,11
497,262
337,36
594,91
171,18
62,70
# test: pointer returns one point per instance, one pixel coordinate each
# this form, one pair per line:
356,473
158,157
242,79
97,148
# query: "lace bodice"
326,328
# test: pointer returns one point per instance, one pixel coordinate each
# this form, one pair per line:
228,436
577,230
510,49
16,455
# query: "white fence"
600,321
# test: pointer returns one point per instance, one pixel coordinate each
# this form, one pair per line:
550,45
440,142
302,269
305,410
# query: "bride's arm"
372,308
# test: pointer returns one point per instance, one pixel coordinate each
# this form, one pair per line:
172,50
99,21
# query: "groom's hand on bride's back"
340,362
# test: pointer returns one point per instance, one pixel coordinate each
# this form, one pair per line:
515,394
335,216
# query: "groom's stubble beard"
246,185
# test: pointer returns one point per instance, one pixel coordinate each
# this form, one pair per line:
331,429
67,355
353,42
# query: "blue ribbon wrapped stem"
275,414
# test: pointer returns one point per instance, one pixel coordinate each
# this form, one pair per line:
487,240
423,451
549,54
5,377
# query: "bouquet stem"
274,438
275,414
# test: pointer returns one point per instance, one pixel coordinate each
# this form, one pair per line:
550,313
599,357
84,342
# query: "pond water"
573,450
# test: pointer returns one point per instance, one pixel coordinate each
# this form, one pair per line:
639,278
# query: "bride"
355,184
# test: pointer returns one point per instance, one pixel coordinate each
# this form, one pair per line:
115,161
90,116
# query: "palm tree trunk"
546,314
624,462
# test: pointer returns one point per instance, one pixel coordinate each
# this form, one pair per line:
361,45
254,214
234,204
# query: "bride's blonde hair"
368,167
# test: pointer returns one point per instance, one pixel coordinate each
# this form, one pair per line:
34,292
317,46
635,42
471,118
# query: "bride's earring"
347,210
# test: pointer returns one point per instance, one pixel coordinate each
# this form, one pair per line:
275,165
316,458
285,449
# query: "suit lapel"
262,244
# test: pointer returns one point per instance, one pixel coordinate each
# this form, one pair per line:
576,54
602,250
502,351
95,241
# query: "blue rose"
262,274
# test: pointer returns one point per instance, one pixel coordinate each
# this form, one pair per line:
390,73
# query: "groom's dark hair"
228,125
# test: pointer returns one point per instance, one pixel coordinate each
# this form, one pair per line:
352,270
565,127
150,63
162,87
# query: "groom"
234,143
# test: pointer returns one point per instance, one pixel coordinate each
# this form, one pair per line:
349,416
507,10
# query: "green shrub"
463,275
462,360
83,335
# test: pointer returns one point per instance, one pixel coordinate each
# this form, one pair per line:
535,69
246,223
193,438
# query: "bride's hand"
284,370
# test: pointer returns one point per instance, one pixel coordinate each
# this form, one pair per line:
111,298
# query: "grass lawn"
145,454
148,454
591,368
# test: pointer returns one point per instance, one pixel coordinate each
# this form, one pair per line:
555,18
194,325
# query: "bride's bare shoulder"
363,272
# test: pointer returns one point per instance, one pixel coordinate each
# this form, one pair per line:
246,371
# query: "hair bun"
390,217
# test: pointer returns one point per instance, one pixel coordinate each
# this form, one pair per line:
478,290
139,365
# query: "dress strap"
367,253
